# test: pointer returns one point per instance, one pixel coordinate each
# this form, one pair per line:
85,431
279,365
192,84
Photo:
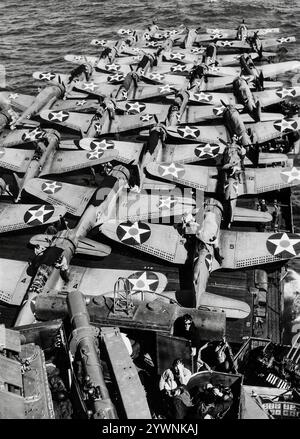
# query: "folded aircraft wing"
16,137
271,70
151,91
67,161
246,249
51,76
126,123
256,181
232,32
136,107
270,97
18,101
164,78
16,160
125,152
205,133
161,241
212,98
141,206
264,131
77,105
21,216
14,281
199,177
73,197
75,121
96,88
188,153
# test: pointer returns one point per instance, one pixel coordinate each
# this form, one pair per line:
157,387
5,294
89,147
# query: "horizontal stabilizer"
251,215
93,248
234,309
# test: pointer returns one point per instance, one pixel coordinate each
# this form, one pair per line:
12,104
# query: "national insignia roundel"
58,116
51,187
101,144
32,135
286,125
171,170
143,281
188,132
135,107
38,215
133,233
284,245
206,151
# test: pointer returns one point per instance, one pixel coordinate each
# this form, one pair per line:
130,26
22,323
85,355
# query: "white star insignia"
13,96
171,169
214,69
47,76
156,76
143,282
100,42
60,116
35,134
165,89
179,56
214,36
133,232
284,40
166,202
116,77
196,50
124,94
178,68
135,107
80,103
125,31
226,43
38,215
285,243
146,117
283,92
51,187
95,154
91,86
111,67
188,132
202,97
206,150
286,125
293,175
102,145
